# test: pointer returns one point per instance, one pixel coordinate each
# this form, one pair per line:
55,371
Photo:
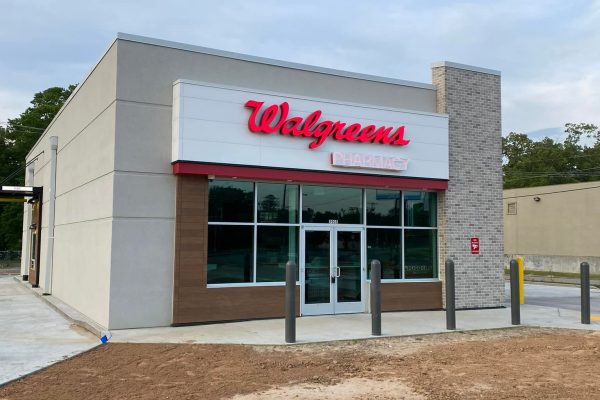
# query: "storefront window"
420,261
385,245
254,229
384,207
275,246
230,254
420,209
230,201
323,204
277,203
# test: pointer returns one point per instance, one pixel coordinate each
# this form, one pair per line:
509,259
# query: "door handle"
338,272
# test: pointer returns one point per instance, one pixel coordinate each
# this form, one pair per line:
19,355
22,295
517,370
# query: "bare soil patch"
502,364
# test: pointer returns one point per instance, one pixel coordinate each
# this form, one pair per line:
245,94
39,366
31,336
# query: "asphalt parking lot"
557,296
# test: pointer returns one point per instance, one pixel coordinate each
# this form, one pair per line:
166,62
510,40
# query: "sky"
547,51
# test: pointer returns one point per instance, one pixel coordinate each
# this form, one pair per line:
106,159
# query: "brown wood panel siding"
411,296
34,265
192,300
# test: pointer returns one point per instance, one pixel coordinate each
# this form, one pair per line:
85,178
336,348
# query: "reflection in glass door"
333,271
349,271
317,272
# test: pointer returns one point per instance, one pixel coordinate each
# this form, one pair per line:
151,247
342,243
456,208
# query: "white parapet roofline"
465,67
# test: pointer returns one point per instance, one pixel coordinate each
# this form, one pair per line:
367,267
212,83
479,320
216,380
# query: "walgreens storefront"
178,180
326,184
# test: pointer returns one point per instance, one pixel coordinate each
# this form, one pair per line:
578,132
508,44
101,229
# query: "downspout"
51,208
26,254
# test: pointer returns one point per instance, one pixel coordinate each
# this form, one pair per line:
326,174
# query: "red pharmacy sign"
474,245
274,118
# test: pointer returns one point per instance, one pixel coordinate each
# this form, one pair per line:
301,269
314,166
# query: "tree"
16,140
547,162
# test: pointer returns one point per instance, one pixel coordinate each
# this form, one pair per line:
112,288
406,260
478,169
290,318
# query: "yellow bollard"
521,264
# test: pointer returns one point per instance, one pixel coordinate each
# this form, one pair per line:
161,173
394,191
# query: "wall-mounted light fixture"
536,198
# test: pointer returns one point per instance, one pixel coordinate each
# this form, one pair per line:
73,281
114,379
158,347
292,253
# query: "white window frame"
300,224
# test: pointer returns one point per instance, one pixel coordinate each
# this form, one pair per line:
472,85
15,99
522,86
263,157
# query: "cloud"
556,134
12,103
547,50
546,103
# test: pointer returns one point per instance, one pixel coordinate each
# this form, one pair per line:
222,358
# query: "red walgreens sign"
275,119
474,245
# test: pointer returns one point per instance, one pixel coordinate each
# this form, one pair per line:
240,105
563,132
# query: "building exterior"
554,228
178,180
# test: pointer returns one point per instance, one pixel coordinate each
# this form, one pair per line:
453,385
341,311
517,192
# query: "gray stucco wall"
147,72
115,207
141,281
85,128
472,205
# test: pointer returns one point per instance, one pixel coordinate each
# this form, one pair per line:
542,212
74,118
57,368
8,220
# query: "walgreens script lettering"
275,119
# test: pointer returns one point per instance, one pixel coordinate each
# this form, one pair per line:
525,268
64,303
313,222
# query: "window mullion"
402,235
255,240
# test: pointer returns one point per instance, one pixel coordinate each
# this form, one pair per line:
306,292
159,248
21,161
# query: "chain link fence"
10,259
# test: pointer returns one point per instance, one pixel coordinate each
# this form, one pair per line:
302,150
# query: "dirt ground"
502,364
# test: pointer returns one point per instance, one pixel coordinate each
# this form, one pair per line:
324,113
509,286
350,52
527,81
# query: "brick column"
472,205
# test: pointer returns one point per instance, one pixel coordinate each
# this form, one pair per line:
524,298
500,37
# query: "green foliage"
547,162
16,139
11,215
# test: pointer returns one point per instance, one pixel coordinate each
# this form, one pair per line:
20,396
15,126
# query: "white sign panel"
237,126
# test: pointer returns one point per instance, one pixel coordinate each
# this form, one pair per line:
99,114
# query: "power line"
541,173
569,157
575,171
512,179
567,174
23,130
21,126
541,193
20,168
13,174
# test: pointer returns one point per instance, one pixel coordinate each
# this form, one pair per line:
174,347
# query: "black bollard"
290,302
515,296
450,296
585,292
375,298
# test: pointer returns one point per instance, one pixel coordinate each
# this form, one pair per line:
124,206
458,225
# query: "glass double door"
332,270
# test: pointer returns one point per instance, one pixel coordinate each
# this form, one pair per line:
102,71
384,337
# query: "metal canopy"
20,192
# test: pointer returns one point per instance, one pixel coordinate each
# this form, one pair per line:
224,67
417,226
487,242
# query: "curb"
564,281
556,280
74,316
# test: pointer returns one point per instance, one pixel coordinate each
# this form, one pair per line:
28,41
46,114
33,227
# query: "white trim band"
466,67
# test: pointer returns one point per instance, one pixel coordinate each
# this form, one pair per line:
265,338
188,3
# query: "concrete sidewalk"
351,326
32,334
551,306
